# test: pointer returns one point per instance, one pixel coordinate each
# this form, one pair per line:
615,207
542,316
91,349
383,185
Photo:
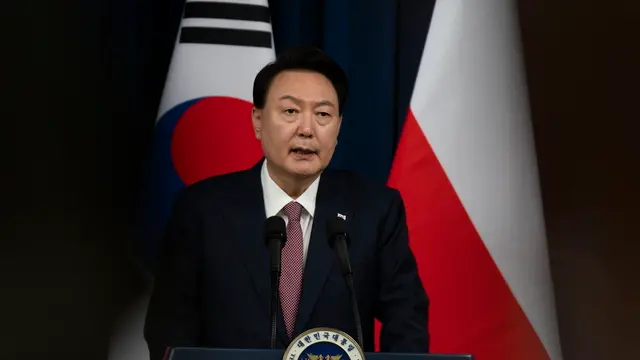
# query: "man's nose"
305,127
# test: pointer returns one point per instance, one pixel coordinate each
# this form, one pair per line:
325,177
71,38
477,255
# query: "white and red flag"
466,169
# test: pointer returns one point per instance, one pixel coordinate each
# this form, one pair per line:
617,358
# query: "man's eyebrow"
325,103
289,97
296,100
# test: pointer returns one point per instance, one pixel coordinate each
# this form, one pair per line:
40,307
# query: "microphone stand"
275,300
354,307
343,256
275,238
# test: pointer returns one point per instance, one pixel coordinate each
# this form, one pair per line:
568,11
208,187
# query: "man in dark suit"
212,287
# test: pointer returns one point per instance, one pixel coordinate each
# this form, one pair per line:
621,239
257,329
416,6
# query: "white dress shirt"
275,199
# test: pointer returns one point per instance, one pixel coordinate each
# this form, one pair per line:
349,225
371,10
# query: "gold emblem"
323,344
320,357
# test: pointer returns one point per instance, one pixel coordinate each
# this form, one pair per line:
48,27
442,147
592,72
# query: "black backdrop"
78,127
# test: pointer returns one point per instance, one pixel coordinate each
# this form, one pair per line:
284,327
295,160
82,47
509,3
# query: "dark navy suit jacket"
212,285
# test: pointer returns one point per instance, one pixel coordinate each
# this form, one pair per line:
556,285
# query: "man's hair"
301,57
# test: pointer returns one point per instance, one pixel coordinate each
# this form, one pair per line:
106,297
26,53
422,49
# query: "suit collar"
248,218
275,198
331,200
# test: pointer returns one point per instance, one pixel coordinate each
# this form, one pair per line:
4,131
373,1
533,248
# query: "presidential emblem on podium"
323,344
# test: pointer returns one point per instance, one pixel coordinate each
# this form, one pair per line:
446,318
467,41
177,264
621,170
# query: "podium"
231,354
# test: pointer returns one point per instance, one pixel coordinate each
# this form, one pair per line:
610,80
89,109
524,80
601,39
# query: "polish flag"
466,169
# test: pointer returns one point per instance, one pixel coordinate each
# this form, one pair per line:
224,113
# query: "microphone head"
275,228
337,227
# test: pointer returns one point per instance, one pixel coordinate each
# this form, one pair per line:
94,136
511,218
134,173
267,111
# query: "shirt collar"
275,198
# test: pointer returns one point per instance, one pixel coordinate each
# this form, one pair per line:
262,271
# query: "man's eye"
290,111
324,114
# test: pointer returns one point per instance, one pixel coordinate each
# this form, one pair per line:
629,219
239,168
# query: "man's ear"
256,120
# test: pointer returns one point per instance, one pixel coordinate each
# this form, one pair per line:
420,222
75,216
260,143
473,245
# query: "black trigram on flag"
226,23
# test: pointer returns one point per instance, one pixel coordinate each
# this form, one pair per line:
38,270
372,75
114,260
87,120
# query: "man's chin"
304,170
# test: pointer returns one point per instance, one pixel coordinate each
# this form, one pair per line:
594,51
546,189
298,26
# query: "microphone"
275,235
339,240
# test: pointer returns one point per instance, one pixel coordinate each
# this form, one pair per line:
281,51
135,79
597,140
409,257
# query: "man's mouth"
303,151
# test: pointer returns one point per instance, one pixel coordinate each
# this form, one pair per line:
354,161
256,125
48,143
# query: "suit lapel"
320,258
249,217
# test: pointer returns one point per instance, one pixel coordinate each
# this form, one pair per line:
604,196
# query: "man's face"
299,123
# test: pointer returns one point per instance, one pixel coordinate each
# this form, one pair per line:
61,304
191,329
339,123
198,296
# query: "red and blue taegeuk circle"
194,140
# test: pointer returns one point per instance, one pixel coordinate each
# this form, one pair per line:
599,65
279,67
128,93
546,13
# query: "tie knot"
293,210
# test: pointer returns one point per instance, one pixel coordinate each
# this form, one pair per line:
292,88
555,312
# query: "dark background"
74,153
